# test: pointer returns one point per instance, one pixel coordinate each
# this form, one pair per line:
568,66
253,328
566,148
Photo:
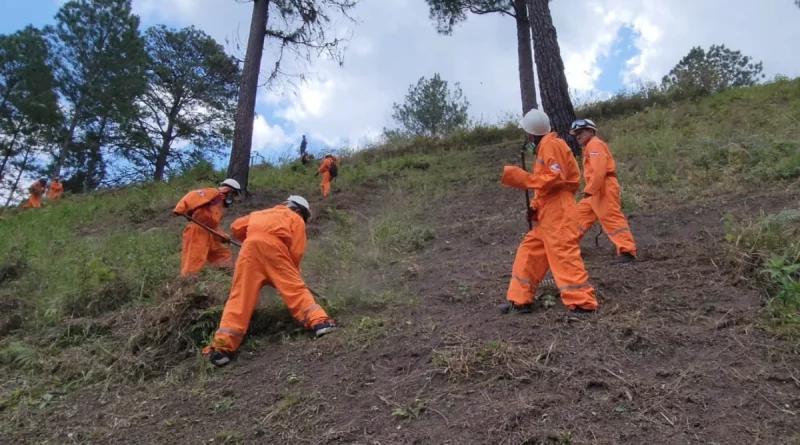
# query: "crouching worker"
198,244
552,244
273,244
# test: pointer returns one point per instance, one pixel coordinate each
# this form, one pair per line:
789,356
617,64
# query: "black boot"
580,311
625,258
521,308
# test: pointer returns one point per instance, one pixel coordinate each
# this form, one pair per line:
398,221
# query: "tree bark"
94,156
550,67
161,159
527,83
239,164
19,175
62,154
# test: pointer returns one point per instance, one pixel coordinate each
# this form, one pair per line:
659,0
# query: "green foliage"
702,73
20,356
449,13
191,91
431,108
99,67
783,272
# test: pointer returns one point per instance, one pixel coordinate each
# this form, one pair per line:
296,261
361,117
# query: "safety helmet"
232,183
535,122
299,203
582,123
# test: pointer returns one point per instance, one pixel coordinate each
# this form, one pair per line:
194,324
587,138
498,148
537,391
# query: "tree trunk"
550,67
9,151
161,160
62,154
239,164
19,176
94,156
527,83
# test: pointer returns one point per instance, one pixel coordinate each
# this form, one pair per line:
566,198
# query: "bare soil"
675,355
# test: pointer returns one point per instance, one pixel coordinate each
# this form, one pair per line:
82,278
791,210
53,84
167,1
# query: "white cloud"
268,137
396,44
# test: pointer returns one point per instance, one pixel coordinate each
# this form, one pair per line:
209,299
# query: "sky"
606,45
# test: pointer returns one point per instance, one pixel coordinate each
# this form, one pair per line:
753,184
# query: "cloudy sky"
606,44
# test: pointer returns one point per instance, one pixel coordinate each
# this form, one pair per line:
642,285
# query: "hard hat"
300,202
232,183
582,123
535,122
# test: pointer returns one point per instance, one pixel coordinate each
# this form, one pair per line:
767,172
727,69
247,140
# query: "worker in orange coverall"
55,189
601,192
36,191
273,244
198,244
552,244
325,169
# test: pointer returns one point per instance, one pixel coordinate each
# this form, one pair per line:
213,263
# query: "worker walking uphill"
601,192
273,244
55,190
198,245
36,190
552,243
329,167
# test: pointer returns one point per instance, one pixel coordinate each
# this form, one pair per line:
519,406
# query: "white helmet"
535,122
296,201
232,183
582,123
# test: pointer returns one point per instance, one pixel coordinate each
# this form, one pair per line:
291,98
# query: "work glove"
316,174
587,195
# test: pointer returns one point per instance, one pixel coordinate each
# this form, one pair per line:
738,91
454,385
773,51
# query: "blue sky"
609,45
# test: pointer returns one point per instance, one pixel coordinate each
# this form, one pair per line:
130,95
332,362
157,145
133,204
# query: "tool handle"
227,238
527,193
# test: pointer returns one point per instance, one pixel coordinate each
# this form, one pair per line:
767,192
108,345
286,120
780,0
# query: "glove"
226,240
587,195
316,174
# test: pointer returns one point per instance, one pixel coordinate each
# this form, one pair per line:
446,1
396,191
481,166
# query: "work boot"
580,311
625,258
323,328
521,308
220,358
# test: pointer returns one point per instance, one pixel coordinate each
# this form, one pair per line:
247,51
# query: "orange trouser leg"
607,208
249,276
558,230
325,185
218,254
194,249
285,277
530,266
584,214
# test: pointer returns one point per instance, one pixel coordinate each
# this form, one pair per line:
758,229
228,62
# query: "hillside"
99,341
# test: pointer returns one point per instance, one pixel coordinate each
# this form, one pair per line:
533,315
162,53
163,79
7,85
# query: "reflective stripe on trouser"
198,247
263,262
605,207
551,245
325,185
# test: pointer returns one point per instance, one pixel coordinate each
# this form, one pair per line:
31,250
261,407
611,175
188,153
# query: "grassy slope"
115,255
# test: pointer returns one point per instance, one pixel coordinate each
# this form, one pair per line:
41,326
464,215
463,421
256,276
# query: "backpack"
334,170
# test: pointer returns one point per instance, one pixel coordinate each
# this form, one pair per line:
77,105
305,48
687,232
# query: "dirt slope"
674,356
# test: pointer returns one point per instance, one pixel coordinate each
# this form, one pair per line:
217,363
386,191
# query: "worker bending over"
328,167
273,244
198,245
601,192
552,244
36,190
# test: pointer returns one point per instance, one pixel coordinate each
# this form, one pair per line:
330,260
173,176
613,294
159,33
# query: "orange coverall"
273,244
35,199
55,190
600,174
552,243
325,168
198,245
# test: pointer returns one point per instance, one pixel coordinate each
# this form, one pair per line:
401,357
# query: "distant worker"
55,190
303,145
199,245
601,192
274,241
36,190
551,244
329,167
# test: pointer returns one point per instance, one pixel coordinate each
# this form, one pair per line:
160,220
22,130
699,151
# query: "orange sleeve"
550,173
516,177
182,207
298,242
207,216
239,227
324,166
596,166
